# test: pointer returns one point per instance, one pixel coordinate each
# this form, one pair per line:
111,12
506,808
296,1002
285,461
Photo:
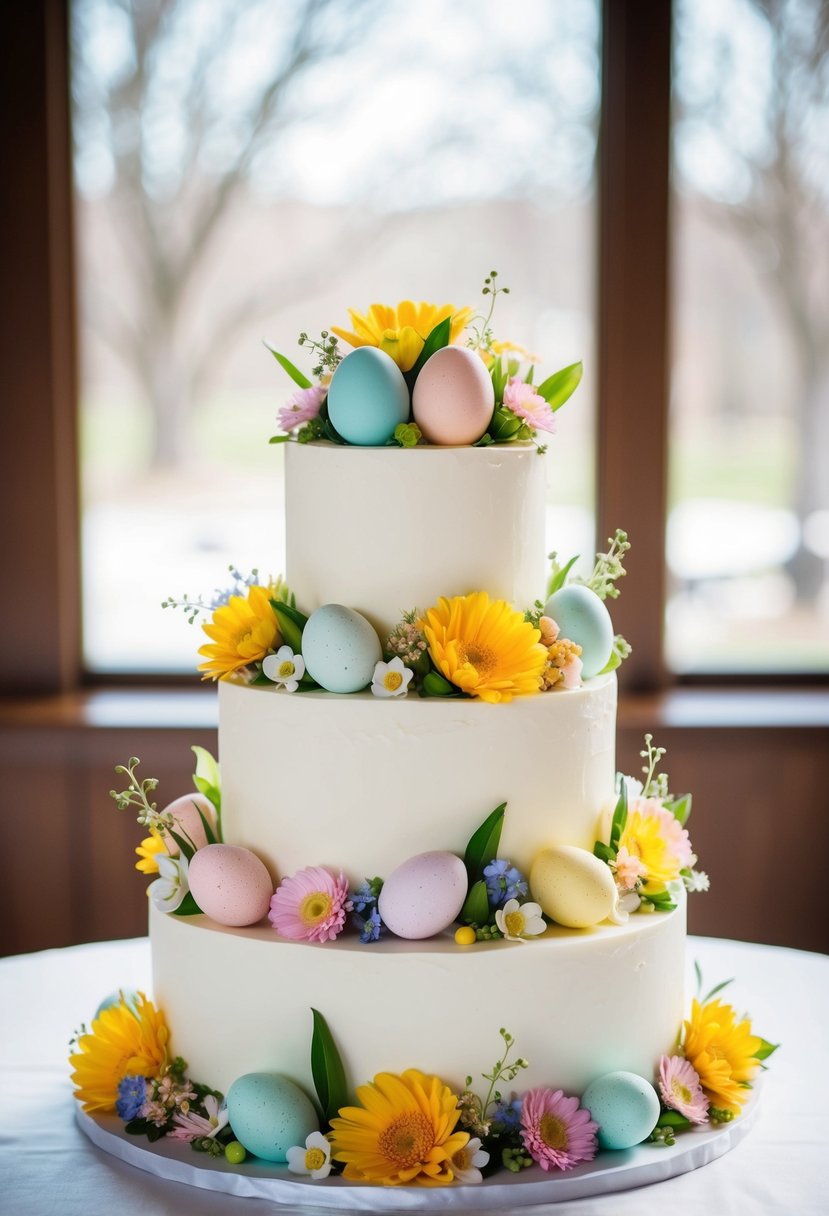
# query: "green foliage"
483,844
559,387
559,573
475,910
621,650
327,1069
436,685
407,435
437,339
609,567
765,1049
187,907
291,623
207,781
294,372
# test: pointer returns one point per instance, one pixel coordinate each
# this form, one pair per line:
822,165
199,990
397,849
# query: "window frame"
41,646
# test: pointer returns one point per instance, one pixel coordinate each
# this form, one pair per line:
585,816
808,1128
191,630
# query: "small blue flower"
132,1093
367,894
503,882
508,1114
371,927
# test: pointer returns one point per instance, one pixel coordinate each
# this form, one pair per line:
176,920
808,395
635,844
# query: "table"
47,1166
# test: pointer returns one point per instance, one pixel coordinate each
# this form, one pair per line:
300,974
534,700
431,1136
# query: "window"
235,181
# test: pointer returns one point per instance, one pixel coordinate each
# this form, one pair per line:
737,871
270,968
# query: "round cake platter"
608,1173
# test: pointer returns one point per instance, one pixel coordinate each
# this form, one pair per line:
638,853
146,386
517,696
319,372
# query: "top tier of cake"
386,530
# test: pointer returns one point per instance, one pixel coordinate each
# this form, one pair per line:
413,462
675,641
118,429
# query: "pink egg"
453,397
230,884
424,895
188,823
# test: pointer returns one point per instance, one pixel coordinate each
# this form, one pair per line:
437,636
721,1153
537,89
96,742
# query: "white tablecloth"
48,1168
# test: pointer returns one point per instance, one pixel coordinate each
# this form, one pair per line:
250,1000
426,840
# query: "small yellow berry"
465,936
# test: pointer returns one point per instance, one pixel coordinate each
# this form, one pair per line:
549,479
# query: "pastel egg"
269,1114
367,397
341,648
453,397
185,810
574,888
231,885
625,1106
583,618
424,895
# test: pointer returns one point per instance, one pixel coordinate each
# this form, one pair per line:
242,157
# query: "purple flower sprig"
366,916
503,882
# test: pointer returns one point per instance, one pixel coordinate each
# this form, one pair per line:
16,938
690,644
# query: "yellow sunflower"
148,851
723,1051
651,837
402,331
485,647
242,631
404,1132
122,1042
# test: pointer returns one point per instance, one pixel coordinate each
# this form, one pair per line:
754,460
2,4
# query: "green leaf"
620,815
207,781
698,974
185,847
504,425
558,579
528,379
205,822
680,807
291,624
672,1118
765,1049
661,901
280,439
475,910
484,442
296,375
187,907
483,844
438,338
260,680
327,1069
559,387
717,988
603,852
498,375
612,663
435,685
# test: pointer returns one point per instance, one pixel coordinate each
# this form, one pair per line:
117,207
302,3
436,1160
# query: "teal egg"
368,397
625,1106
340,648
583,618
269,1114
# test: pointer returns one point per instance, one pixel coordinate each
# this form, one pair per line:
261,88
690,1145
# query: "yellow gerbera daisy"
402,331
148,852
122,1042
404,1132
722,1050
484,647
243,631
650,837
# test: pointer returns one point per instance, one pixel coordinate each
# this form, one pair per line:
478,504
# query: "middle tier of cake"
364,784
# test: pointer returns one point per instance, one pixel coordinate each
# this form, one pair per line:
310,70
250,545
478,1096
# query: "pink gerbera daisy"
311,905
524,401
302,407
556,1131
680,1087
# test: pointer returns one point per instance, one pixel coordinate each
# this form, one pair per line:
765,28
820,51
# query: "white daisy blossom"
519,921
468,1161
633,787
171,886
285,668
313,1160
697,880
391,679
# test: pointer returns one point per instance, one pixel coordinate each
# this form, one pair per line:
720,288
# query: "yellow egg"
574,888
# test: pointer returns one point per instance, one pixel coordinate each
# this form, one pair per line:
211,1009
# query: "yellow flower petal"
242,632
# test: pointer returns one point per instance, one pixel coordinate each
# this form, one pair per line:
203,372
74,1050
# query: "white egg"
424,895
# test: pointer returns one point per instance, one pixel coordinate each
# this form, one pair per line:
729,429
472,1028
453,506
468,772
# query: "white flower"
391,679
634,788
626,903
518,921
697,880
285,668
171,886
314,1159
467,1162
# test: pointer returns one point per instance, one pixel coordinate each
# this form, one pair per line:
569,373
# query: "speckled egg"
453,397
424,895
368,397
341,648
583,618
625,1106
186,811
574,888
231,885
269,1114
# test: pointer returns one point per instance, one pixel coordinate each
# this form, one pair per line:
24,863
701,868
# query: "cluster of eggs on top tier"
452,401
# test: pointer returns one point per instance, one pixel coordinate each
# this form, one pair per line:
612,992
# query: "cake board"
608,1173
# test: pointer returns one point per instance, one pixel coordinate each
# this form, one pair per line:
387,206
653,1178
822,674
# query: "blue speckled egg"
625,1106
583,618
269,1114
340,648
368,397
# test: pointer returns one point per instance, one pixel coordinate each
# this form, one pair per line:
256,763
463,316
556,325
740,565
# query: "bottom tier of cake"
580,1003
